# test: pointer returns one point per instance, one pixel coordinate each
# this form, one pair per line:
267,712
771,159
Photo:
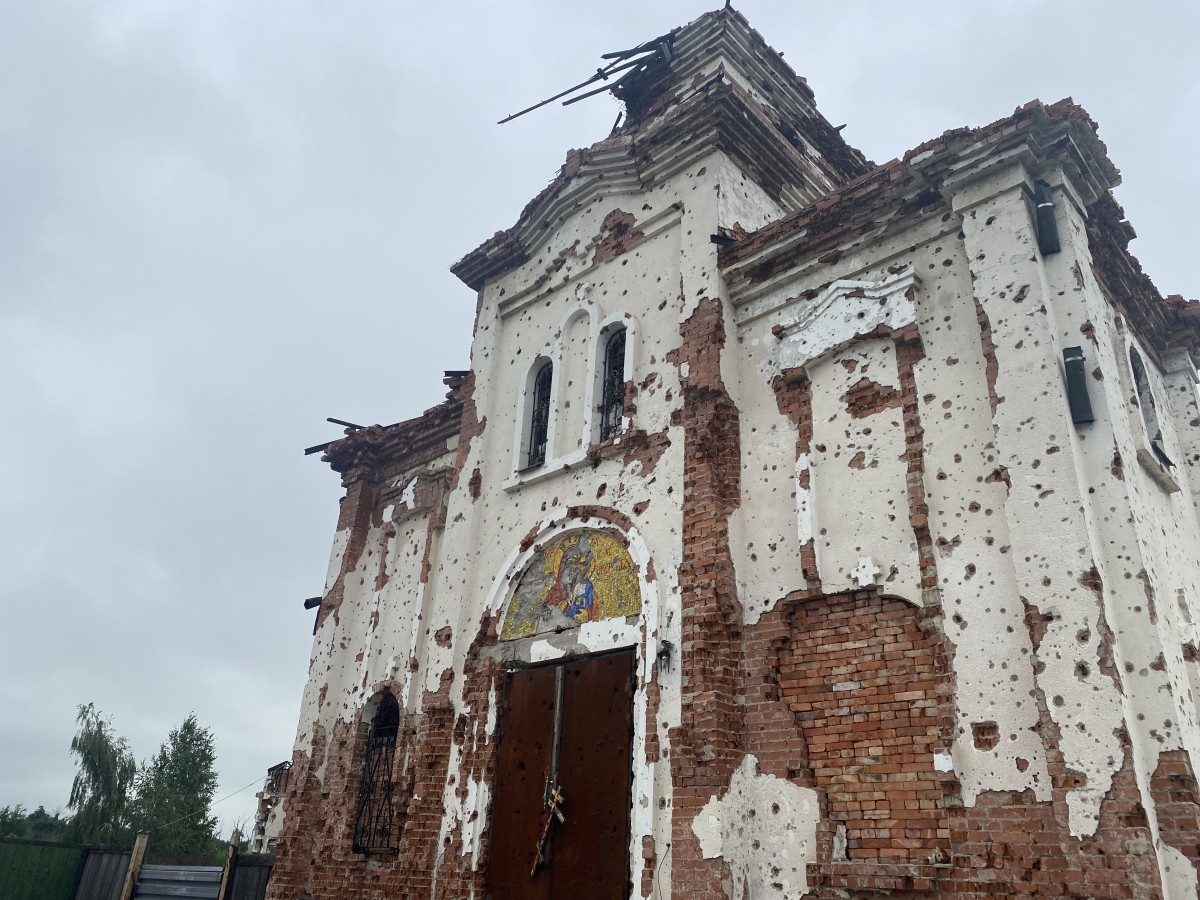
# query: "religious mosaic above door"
583,576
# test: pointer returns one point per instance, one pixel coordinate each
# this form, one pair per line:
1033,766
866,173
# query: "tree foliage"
13,822
38,825
102,785
175,792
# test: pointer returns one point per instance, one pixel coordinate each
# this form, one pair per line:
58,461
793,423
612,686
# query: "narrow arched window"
375,826
1145,402
612,395
539,420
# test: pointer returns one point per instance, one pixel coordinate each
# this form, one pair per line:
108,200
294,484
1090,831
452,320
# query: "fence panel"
250,874
103,874
38,870
168,882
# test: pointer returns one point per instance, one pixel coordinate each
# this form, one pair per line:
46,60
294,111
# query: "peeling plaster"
1179,873
846,310
341,540
765,828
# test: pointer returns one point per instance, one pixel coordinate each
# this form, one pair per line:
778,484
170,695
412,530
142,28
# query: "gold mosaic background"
584,576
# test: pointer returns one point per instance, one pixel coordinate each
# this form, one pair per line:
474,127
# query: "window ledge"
591,454
1157,470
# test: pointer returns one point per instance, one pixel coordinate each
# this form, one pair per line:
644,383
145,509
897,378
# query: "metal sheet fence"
103,874
38,870
169,882
164,882
43,870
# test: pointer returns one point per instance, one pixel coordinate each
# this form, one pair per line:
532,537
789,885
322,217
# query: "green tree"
175,792
100,791
13,822
46,826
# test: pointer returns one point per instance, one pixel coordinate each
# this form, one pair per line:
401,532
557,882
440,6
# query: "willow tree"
103,782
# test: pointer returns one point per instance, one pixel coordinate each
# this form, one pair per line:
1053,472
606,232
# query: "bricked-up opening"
862,679
612,395
375,825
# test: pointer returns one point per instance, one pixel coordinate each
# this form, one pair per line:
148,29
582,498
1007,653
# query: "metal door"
565,728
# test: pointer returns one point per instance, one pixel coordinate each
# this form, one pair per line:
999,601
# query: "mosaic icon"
583,576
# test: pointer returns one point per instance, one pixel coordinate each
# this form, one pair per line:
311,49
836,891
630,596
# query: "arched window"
539,418
1145,401
375,826
612,394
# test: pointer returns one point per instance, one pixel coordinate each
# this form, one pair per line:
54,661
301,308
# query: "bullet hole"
986,735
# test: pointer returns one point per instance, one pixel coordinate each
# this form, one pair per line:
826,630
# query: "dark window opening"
612,402
375,826
1145,402
539,422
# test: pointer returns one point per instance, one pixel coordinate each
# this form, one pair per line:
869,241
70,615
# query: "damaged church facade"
802,528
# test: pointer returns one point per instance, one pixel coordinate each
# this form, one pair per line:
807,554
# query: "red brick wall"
1177,803
706,746
865,687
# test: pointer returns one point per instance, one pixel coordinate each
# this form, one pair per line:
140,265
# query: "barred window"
539,420
612,402
375,827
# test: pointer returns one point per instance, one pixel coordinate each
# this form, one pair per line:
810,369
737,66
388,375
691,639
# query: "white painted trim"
601,637
525,412
596,365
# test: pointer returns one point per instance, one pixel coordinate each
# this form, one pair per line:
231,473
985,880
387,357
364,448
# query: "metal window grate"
374,827
612,403
539,424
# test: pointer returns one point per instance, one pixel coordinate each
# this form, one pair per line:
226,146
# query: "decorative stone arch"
378,820
570,399
639,632
545,536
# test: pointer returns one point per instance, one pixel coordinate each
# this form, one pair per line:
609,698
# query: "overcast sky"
223,220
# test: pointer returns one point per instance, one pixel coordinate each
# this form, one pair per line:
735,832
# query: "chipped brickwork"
1177,804
901,628
708,741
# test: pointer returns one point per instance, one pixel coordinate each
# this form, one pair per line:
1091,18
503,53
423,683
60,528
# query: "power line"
214,803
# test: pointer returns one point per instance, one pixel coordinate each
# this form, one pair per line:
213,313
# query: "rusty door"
565,728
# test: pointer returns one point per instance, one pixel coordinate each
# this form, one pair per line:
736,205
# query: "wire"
215,802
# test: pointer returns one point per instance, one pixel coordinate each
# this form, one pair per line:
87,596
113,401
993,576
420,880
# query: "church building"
803,527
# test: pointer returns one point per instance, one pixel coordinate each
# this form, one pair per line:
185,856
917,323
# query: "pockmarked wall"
882,474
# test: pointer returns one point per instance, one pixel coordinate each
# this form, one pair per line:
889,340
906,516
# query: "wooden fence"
39,870
46,870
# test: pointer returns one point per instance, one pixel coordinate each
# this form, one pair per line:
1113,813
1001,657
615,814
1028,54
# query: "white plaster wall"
1148,534
765,828
574,378
1021,504
859,474
964,488
1052,545
659,283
